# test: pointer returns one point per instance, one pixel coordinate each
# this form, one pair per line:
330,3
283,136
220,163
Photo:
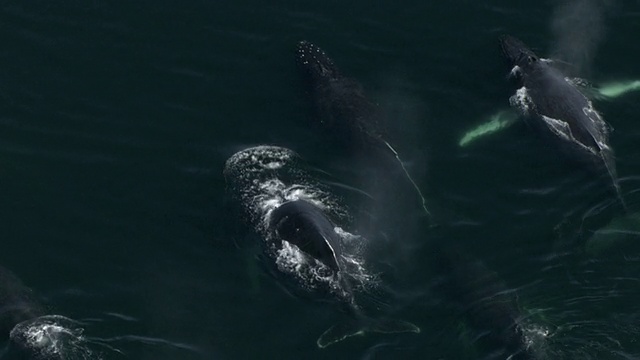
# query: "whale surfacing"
300,226
556,106
304,225
343,110
340,102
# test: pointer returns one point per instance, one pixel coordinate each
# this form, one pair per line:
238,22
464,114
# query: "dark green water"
117,119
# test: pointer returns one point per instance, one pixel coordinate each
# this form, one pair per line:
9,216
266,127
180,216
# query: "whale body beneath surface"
31,333
299,223
490,307
555,106
345,112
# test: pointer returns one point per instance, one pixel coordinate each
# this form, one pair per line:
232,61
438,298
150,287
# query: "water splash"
52,337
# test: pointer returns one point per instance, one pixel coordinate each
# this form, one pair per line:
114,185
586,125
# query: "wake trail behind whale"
415,186
353,327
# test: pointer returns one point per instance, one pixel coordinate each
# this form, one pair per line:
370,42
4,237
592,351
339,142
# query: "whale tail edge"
347,329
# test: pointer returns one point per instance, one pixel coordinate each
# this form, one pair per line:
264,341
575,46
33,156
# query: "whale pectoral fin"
345,330
620,234
612,90
496,122
339,332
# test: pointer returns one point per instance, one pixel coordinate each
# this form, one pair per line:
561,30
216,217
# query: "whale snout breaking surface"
516,52
556,107
300,225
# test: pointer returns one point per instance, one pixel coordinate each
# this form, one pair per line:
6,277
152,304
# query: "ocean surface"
118,117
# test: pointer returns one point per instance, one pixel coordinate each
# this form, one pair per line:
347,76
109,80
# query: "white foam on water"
521,101
52,337
515,72
536,338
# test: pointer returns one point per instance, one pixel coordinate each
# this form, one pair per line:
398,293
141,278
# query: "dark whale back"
340,102
553,95
562,110
556,98
307,227
516,52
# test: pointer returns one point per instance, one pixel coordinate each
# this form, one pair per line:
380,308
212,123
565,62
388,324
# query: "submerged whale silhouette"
558,108
31,333
344,110
489,306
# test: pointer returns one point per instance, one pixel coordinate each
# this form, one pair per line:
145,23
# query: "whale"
17,302
554,105
306,250
33,333
505,118
345,112
341,105
306,226
489,306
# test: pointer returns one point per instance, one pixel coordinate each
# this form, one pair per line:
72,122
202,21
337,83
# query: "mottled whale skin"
306,226
557,107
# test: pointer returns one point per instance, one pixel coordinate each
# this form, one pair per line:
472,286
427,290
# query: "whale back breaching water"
32,334
345,112
558,108
17,302
300,226
304,225
340,102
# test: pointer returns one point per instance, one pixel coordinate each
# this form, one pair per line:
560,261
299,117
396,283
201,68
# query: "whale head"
517,53
305,225
315,63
